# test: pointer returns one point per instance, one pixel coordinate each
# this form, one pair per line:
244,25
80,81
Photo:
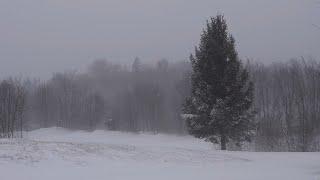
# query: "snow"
56,153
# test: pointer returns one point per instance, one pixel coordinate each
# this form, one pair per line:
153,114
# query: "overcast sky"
38,37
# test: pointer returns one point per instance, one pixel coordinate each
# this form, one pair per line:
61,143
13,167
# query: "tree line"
287,101
287,97
147,98
141,97
12,106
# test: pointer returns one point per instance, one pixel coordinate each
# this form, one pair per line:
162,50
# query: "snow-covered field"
58,154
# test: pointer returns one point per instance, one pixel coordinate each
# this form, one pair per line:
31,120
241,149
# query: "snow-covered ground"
59,154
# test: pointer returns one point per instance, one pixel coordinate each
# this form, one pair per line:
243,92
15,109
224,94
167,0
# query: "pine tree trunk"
223,142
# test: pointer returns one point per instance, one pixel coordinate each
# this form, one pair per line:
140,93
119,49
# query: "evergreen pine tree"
219,107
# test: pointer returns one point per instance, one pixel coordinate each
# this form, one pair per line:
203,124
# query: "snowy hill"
56,153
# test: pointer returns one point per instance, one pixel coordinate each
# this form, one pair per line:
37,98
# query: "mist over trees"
111,96
144,97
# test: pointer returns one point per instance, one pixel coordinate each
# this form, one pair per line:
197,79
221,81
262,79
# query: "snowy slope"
54,153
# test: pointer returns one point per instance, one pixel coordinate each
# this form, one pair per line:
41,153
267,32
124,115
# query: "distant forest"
149,98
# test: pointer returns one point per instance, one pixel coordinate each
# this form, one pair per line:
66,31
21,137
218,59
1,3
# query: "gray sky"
38,37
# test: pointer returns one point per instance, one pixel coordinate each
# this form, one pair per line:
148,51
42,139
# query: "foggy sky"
38,37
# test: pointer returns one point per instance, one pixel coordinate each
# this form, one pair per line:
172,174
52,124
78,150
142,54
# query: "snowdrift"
56,153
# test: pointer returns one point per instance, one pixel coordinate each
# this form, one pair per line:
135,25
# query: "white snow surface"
59,154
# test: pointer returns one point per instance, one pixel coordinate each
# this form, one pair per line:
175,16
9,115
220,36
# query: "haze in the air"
39,37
